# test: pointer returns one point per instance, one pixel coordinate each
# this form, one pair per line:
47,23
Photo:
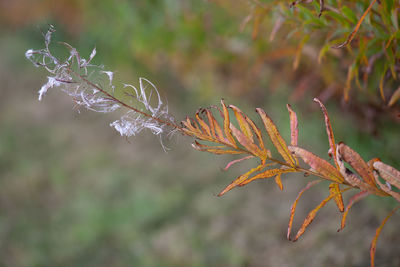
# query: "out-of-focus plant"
356,43
92,87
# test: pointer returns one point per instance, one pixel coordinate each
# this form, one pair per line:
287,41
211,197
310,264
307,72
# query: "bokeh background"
74,193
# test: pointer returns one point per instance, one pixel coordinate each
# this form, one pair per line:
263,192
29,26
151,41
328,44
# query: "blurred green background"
74,193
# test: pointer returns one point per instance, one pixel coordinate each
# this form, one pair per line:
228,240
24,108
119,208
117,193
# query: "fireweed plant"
92,87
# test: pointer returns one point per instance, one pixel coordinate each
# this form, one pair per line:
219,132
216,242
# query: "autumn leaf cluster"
369,178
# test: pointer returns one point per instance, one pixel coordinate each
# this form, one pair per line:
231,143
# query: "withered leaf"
278,181
311,215
334,189
318,164
276,137
236,161
329,131
240,179
267,174
227,123
244,126
294,205
215,149
387,172
357,163
357,197
246,141
293,126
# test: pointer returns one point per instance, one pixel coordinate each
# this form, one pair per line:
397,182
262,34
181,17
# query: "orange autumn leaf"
276,137
334,189
278,181
227,128
267,174
240,179
378,232
357,197
294,205
243,124
311,215
246,142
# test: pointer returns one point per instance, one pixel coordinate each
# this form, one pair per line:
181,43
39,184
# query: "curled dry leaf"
357,163
387,172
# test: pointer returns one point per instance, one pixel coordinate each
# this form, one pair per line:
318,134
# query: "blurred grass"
73,193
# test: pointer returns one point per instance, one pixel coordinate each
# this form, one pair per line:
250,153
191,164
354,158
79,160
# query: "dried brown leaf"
294,205
329,131
357,163
387,172
311,215
321,166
